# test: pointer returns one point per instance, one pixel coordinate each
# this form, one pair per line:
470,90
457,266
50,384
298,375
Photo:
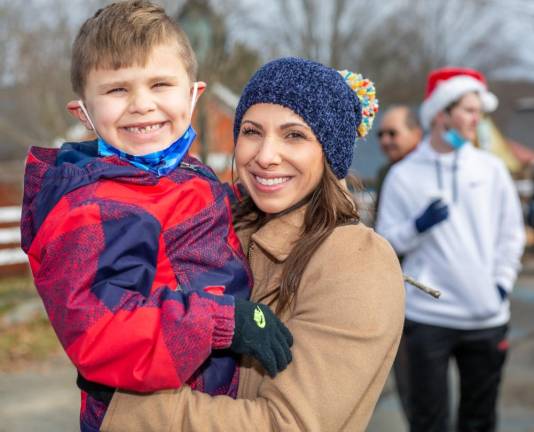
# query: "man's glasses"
392,133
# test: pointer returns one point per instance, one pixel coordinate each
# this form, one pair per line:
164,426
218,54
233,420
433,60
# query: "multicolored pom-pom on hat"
338,110
365,90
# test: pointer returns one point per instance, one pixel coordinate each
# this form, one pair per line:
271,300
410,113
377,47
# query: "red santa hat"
447,85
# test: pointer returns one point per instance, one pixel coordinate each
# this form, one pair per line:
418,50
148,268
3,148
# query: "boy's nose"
140,103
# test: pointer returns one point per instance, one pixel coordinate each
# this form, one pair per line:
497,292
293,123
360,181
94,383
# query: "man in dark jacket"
398,135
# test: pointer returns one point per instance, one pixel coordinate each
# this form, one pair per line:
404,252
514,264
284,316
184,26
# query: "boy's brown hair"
123,34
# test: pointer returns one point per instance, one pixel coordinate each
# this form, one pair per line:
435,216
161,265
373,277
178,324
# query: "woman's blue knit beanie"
316,93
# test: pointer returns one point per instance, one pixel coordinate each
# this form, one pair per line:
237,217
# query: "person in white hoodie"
452,211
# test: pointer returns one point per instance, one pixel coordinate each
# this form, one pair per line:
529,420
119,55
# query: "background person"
398,134
453,213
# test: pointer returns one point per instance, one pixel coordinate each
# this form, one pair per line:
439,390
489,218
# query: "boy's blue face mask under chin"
453,138
159,163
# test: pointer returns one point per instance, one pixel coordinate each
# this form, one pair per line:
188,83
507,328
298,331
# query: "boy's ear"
201,87
73,107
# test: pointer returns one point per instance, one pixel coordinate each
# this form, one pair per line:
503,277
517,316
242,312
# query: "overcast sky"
244,17
517,17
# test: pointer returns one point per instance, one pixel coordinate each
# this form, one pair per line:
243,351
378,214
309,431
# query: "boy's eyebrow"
113,84
164,78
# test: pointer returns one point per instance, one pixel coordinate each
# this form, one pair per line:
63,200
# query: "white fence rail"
10,252
10,214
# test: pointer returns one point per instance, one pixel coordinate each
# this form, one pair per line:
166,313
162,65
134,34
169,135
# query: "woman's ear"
75,110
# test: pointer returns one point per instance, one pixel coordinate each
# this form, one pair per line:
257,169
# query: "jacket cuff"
223,331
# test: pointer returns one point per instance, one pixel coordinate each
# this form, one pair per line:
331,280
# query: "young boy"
129,239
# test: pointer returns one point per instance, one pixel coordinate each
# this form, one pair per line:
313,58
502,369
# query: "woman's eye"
249,131
296,135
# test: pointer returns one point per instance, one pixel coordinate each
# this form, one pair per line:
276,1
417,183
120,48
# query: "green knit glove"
259,333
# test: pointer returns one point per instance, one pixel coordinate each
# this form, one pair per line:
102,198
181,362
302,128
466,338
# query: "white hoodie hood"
476,248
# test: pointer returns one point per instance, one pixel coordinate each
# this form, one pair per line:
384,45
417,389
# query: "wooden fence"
12,259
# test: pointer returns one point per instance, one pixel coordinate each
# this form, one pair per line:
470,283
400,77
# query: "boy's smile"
141,109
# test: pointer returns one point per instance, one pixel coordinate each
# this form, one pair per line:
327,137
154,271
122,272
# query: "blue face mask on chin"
453,138
159,163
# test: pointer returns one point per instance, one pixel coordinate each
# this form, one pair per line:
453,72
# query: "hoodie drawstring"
455,178
439,176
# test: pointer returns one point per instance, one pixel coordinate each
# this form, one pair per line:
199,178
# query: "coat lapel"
277,238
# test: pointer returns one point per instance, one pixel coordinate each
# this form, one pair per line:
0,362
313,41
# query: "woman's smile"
270,183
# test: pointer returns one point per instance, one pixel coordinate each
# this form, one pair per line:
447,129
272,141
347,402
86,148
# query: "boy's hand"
259,333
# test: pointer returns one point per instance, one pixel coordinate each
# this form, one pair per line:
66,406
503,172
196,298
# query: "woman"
335,283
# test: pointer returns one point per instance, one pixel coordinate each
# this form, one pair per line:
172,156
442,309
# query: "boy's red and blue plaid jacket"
137,272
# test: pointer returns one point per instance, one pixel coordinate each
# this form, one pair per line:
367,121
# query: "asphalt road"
42,399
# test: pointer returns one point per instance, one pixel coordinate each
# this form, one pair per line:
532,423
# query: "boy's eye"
116,90
162,84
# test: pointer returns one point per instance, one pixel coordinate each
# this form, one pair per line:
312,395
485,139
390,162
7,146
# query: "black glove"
435,213
259,333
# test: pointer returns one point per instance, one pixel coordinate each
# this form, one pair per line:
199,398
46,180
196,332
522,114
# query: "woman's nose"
269,153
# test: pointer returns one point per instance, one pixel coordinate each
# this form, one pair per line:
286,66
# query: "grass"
26,343
15,290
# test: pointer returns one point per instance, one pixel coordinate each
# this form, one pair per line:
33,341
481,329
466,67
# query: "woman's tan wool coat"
346,321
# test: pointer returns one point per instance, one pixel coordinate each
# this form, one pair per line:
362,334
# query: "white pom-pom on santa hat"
447,85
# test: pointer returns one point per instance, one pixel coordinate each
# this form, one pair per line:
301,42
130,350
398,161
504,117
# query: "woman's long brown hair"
329,206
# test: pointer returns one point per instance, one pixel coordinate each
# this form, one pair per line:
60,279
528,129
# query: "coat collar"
279,235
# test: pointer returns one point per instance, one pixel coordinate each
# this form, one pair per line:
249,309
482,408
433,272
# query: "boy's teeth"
271,181
144,129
